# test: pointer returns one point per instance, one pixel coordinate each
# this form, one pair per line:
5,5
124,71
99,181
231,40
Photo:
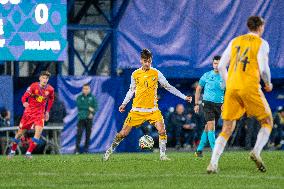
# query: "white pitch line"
259,176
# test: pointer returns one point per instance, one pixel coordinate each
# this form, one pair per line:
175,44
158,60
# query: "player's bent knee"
123,133
267,122
228,131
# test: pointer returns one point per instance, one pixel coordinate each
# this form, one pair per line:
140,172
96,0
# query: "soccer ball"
146,142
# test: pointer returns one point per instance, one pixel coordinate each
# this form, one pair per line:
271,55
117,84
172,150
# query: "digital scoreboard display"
33,30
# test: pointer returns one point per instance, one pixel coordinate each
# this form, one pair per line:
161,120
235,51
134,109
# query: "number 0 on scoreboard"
33,30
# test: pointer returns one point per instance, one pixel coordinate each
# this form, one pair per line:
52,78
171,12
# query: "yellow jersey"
146,88
243,70
144,84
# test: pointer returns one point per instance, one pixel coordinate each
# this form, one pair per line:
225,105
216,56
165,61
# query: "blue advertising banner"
109,93
6,95
184,35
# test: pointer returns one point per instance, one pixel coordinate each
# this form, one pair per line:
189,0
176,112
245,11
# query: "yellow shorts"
251,100
135,119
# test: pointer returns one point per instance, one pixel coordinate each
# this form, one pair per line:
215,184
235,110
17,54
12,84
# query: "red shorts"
28,122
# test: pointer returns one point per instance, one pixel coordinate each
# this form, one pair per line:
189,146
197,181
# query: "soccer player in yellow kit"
144,84
248,58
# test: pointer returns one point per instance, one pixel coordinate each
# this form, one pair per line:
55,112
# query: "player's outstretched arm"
122,108
129,95
163,81
188,99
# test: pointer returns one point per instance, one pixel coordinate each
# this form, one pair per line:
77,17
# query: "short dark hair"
254,22
217,57
146,54
86,85
45,73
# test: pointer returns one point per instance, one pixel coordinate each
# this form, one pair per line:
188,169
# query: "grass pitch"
141,170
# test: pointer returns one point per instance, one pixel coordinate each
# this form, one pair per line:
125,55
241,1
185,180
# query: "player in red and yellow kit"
144,84
248,58
36,112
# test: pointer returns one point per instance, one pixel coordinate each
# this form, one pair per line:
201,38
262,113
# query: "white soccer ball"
146,142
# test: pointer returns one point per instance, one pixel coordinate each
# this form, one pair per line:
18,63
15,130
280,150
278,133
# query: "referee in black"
213,97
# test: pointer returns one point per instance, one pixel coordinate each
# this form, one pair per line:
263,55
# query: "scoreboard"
33,30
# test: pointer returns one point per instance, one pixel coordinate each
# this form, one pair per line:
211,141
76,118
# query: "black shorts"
212,111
